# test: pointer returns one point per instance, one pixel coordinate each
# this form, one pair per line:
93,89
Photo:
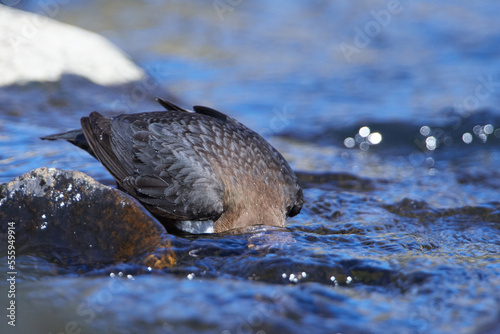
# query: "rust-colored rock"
69,218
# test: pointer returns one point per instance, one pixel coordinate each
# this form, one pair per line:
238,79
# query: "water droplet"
364,131
112,275
44,216
476,129
349,142
78,197
191,276
304,274
43,226
374,138
467,138
348,280
358,138
364,146
425,130
284,275
70,186
488,129
431,143
483,137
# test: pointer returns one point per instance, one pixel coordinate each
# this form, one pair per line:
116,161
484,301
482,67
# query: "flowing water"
387,110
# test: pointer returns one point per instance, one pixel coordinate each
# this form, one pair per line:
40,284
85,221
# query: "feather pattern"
200,165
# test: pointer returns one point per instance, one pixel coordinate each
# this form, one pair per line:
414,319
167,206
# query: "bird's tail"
75,137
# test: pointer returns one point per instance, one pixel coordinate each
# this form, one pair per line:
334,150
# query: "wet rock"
334,181
412,209
488,212
37,48
50,68
479,176
70,219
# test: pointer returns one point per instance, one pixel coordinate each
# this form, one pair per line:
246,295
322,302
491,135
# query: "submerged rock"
70,219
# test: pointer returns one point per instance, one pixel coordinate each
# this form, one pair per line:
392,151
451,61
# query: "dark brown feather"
196,166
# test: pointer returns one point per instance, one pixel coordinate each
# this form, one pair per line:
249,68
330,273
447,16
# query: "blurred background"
315,72
388,111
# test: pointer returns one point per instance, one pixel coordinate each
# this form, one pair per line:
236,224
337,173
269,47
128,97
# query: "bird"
199,165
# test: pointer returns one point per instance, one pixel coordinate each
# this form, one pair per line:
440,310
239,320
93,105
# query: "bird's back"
199,165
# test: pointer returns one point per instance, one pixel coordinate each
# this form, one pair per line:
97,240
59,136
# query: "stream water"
387,110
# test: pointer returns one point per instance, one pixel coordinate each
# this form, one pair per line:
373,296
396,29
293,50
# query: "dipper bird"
193,166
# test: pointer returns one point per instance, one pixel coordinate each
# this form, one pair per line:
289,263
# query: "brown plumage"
200,165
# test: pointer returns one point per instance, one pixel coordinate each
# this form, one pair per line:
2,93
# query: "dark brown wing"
156,158
96,129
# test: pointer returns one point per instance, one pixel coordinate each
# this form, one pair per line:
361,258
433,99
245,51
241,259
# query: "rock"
70,219
37,48
57,72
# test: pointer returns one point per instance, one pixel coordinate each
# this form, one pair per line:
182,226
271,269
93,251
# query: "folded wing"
153,157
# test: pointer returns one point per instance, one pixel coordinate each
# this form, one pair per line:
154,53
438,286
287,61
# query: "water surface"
396,146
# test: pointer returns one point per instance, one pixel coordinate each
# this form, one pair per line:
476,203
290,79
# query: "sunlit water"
396,144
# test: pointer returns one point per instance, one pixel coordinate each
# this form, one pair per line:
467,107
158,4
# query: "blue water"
401,236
